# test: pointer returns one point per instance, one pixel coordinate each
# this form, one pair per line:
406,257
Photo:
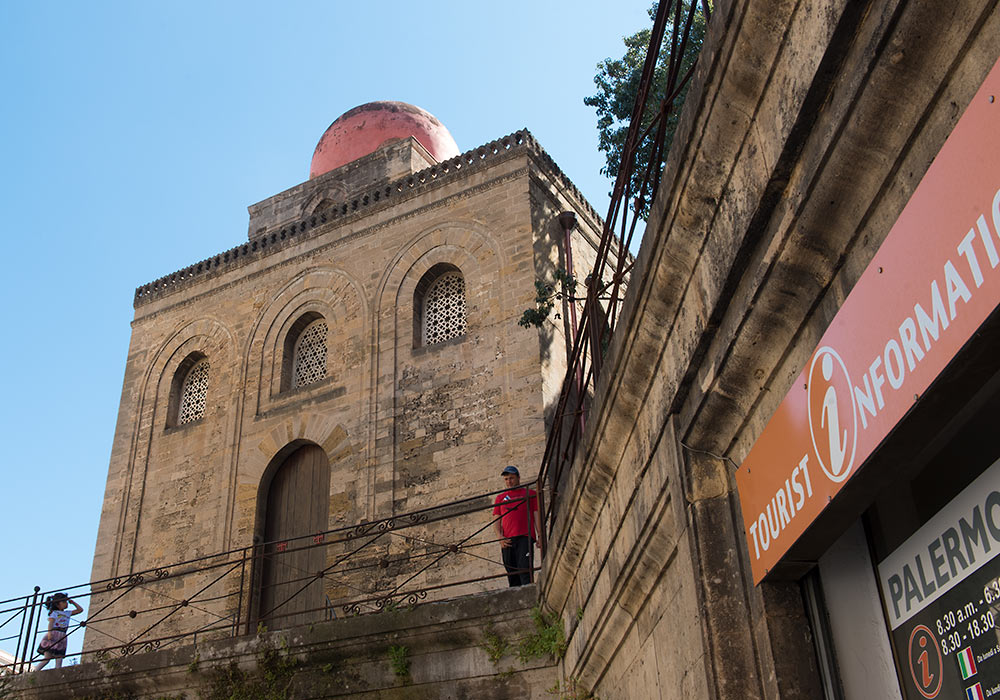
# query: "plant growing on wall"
496,647
270,680
546,296
548,639
399,661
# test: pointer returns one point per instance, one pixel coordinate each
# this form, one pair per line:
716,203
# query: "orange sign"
929,287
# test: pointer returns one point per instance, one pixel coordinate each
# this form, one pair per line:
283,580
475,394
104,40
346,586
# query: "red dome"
360,131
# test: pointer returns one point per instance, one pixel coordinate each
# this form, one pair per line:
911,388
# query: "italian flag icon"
975,692
967,665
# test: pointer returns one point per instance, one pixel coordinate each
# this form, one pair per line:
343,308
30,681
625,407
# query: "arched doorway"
297,504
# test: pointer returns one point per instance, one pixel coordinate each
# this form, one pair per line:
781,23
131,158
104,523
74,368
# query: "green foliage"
496,646
617,83
399,661
108,662
269,681
546,295
548,639
193,666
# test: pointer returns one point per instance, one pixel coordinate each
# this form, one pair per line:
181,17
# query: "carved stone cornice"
364,203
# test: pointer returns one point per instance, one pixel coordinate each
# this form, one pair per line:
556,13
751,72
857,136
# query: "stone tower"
365,336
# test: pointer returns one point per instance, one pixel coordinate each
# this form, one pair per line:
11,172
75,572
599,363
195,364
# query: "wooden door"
298,503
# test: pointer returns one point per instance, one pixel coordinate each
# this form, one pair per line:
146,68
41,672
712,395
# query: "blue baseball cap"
510,469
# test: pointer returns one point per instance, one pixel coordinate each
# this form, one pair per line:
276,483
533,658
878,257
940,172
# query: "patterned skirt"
54,642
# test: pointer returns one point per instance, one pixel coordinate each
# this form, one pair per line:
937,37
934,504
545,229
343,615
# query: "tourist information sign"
932,283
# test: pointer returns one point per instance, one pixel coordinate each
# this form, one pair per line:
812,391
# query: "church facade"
357,358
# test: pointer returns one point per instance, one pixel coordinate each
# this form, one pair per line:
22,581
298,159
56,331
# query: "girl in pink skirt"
53,644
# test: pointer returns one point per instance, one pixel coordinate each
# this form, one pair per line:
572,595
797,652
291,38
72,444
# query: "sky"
135,135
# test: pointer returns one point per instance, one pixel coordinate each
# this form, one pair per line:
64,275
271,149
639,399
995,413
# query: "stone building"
358,357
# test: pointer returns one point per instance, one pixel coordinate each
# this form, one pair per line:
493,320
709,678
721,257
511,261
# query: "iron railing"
630,198
397,562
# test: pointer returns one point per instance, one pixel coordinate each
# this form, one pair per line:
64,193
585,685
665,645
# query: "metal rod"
18,651
541,522
239,603
29,652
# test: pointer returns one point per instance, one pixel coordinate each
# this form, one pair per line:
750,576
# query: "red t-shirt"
513,508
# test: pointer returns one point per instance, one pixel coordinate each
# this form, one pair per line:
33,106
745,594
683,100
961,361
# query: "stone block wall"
392,161
807,127
442,650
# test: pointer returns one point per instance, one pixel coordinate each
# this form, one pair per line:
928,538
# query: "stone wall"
807,127
445,646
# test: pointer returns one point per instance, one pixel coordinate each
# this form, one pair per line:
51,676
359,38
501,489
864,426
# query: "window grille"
309,365
193,394
444,309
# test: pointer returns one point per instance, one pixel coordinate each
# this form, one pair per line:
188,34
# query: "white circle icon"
838,437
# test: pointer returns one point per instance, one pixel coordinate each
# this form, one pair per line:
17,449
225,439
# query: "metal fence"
398,562
635,189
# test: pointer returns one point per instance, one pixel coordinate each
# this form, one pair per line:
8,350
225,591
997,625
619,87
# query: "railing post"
33,646
28,643
541,518
20,637
256,549
239,604
596,332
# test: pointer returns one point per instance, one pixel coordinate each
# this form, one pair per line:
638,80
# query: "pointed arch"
322,292
189,390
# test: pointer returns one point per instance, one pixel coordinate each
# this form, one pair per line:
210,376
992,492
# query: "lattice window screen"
444,309
309,365
193,394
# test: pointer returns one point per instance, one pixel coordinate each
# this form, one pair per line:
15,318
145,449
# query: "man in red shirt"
515,512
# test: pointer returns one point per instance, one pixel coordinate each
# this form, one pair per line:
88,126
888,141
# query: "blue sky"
134,137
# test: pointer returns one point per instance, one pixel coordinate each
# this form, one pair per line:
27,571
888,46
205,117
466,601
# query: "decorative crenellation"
554,169
365,203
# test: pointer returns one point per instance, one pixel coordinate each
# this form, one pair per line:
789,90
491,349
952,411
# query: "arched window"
193,393
440,304
188,391
309,355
